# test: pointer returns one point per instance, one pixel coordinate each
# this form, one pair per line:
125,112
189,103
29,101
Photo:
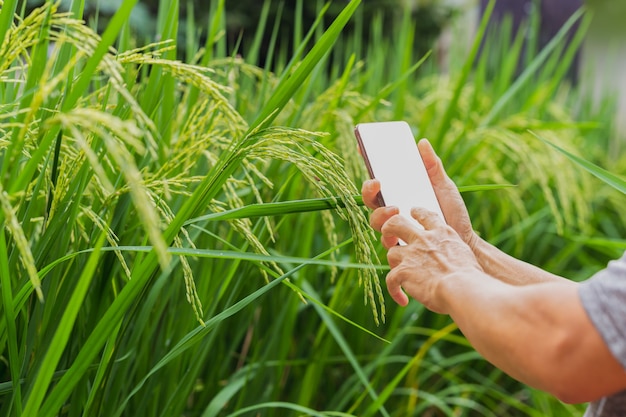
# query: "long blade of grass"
6,17
465,73
291,82
9,316
403,62
602,174
221,400
617,244
235,383
305,93
534,66
170,11
205,191
287,406
99,379
62,334
310,205
109,36
333,312
412,364
567,60
298,27
275,209
347,351
196,335
390,88
79,88
222,254
215,26
255,48
484,187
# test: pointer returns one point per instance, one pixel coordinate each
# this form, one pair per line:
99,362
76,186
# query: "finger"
394,287
432,162
394,256
428,219
400,227
389,242
370,192
436,172
381,215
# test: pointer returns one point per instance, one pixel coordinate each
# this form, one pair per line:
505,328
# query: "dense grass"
169,247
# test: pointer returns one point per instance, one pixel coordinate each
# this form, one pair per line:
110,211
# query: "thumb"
432,162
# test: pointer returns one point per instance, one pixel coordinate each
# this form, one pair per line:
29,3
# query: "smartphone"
392,157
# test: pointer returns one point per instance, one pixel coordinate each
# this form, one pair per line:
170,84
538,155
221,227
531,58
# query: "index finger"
402,228
370,192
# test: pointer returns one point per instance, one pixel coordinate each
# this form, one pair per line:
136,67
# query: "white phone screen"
392,157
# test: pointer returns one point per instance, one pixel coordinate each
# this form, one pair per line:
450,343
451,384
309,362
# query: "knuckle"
392,221
419,212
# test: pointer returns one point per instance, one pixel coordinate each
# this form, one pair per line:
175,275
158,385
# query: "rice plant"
183,238
105,159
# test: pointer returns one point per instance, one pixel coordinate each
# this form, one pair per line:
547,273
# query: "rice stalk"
110,237
191,75
506,153
211,164
21,37
322,171
14,227
112,131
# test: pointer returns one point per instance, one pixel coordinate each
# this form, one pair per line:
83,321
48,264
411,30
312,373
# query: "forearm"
497,331
508,269
539,334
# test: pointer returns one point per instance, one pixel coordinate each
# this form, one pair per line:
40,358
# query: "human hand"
448,195
429,257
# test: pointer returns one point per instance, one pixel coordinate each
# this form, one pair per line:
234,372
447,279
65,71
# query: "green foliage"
286,17
164,221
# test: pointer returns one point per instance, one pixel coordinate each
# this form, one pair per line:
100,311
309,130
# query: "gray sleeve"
604,298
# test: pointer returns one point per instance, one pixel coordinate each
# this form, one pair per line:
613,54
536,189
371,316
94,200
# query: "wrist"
455,286
474,242
482,251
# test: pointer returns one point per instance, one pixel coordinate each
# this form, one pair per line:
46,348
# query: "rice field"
184,237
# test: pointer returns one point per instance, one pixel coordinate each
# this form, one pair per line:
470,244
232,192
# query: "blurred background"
440,25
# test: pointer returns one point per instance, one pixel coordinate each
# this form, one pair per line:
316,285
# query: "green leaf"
291,82
9,315
275,209
108,39
532,69
347,351
304,206
62,334
602,174
465,73
617,244
196,335
287,406
6,17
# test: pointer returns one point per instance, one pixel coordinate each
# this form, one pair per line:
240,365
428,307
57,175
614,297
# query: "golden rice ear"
324,170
